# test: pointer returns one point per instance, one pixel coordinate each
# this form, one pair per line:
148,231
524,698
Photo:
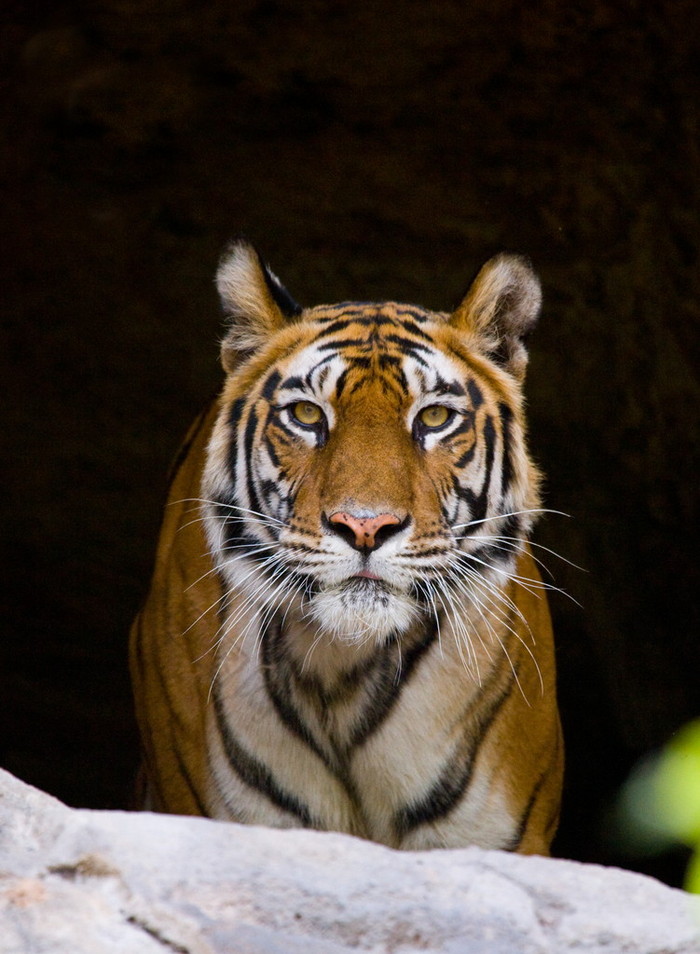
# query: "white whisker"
266,518
512,513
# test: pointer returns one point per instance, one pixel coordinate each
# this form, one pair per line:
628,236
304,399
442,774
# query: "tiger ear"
501,308
254,300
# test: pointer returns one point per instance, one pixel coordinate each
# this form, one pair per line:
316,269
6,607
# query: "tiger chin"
345,628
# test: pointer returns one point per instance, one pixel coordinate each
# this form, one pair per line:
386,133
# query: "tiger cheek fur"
345,628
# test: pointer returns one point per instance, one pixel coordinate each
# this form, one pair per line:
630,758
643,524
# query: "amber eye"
435,415
307,413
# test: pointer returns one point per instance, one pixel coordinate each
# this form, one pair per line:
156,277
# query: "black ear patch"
284,301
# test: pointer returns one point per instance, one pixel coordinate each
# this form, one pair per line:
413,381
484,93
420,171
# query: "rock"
89,882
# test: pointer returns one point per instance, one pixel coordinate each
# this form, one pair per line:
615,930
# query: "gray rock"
85,882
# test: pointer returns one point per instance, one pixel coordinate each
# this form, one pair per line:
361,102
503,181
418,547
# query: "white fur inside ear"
241,283
505,297
501,307
518,291
252,311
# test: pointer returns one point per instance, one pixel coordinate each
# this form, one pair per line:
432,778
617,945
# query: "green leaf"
676,786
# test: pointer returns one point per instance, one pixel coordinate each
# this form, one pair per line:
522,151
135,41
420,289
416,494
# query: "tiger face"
368,467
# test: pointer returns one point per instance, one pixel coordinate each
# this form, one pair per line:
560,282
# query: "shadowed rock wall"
370,155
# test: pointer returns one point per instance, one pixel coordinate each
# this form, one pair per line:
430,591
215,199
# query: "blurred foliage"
660,804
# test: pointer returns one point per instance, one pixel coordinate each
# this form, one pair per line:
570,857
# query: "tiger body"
345,628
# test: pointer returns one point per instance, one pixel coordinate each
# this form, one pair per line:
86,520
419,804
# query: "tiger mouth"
363,585
361,607
366,575
366,594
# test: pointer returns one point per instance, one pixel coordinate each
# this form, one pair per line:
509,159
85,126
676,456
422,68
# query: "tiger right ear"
501,308
254,300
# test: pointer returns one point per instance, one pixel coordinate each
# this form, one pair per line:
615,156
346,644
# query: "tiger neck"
322,663
344,691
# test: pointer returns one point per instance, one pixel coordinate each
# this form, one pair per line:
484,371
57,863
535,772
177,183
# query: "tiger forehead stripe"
376,342
361,309
375,317
378,319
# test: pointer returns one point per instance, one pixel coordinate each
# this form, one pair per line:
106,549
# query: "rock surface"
87,882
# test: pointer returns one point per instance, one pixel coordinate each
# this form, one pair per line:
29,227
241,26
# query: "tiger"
346,629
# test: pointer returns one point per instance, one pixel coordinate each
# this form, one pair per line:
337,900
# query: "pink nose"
364,528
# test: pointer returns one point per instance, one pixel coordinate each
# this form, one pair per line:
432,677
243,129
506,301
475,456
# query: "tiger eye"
435,416
307,413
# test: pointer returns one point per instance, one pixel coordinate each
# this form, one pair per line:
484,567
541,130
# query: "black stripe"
389,361
236,532
464,426
358,361
452,785
506,439
280,672
187,778
512,526
271,490
340,324
340,383
347,683
270,385
278,679
137,645
555,811
406,346
466,458
291,384
341,343
413,328
475,395
152,666
253,773
248,442
234,419
269,446
516,839
478,502
153,777
391,687
413,311
354,309
381,677
449,387
371,314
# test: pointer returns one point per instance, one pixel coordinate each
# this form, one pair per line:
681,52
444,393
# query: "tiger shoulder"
345,628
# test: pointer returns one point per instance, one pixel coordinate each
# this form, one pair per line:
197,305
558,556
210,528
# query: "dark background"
375,151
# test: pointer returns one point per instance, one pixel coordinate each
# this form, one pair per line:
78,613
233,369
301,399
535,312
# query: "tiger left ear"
501,308
255,302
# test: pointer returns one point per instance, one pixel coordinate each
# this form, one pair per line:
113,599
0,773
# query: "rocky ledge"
87,882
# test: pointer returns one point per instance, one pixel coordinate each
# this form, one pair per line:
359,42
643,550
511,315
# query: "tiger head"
368,465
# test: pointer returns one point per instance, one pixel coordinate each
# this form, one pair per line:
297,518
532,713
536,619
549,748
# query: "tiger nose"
364,532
